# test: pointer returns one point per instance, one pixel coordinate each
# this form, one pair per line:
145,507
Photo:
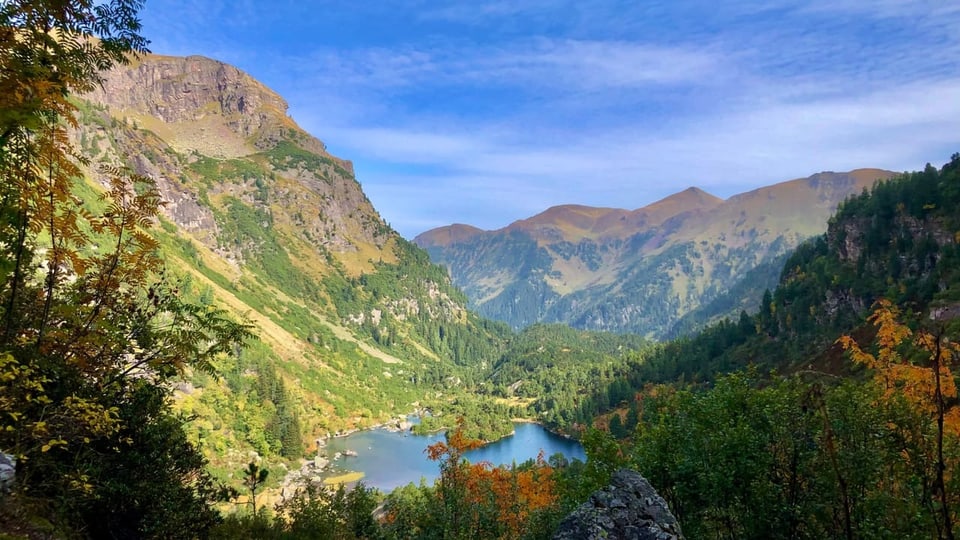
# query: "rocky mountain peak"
203,105
178,89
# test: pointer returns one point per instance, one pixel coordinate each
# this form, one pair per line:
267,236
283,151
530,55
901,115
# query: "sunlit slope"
639,270
355,323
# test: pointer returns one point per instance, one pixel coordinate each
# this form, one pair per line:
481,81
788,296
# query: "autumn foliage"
477,500
92,330
915,366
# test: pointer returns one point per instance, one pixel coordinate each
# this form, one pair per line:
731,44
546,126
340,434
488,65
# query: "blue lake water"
389,459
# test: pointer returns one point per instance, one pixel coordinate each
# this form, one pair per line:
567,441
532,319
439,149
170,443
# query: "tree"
92,329
919,370
617,428
253,478
319,512
476,500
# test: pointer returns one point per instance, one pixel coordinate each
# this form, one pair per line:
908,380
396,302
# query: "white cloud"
501,109
726,153
558,65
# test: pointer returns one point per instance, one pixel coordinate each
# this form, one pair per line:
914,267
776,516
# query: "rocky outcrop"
176,89
628,509
8,472
199,95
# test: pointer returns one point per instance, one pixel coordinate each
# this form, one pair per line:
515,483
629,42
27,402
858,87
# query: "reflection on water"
389,459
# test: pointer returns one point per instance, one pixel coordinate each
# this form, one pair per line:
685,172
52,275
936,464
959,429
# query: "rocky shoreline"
316,470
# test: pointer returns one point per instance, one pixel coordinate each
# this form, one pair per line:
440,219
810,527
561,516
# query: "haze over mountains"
658,270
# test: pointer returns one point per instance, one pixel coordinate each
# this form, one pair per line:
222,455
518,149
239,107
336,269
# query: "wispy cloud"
725,154
490,111
539,63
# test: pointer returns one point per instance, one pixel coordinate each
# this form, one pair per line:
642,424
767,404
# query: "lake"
390,459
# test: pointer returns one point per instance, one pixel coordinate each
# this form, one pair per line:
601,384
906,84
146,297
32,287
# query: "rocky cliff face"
628,509
195,122
673,263
176,89
188,91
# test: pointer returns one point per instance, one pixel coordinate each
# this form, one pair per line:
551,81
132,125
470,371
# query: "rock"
8,472
628,509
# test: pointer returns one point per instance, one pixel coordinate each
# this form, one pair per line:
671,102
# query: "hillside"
355,325
660,270
839,394
897,242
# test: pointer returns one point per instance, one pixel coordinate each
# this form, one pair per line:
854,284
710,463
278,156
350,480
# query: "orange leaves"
494,502
435,452
907,375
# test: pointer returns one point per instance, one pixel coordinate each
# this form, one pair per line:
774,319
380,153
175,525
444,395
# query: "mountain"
355,324
658,271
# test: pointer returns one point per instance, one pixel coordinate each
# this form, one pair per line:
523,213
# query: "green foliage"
788,458
287,155
341,514
904,248
94,332
153,485
785,461
551,364
314,512
479,418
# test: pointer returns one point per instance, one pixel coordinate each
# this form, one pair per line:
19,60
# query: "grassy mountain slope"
355,324
646,271
898,242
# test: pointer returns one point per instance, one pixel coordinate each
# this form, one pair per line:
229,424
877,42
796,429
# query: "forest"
831,412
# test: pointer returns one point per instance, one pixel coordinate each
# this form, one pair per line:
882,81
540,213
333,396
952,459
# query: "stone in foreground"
628,509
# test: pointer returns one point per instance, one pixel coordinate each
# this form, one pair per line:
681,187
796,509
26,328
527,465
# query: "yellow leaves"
900,375
890,333
94,418
53,443
80,482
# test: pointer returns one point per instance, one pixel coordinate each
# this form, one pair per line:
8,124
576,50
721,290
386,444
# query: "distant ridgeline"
899,241
833,411
659,271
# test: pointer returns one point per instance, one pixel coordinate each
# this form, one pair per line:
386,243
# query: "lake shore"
389,459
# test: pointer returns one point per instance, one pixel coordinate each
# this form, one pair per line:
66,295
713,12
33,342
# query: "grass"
345,478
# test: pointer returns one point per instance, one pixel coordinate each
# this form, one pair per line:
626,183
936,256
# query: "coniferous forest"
829,412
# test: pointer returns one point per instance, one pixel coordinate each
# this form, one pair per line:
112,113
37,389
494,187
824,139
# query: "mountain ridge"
682,251
356,325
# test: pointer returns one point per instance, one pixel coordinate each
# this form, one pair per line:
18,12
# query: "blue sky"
488,111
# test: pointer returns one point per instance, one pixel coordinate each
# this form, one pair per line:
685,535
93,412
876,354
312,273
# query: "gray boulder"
8,472
628,509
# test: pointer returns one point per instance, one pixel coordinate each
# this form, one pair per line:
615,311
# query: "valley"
205,324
